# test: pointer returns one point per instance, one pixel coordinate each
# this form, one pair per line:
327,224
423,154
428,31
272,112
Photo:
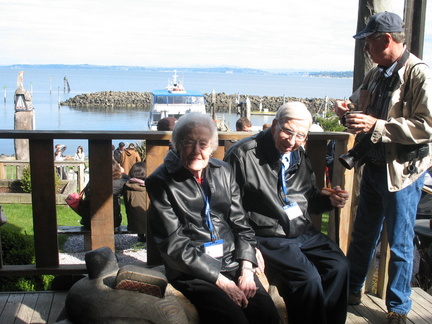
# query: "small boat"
174,101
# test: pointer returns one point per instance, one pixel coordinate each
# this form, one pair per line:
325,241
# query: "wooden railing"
16,167
41,146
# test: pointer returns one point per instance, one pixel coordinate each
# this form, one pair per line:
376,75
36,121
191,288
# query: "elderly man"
396,128
279,192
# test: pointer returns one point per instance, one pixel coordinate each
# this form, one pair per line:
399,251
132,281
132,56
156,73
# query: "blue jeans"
399,209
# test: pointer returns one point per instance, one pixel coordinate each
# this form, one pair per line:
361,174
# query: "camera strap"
383,88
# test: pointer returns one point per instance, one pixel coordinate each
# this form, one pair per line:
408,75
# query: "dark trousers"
214,305
311,274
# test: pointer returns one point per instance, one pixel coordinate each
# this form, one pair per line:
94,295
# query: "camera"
350,159
62,148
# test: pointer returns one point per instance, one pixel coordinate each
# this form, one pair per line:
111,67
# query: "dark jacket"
257,165
178,223
135,200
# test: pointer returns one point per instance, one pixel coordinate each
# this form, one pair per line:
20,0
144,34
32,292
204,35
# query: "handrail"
41,146
21,164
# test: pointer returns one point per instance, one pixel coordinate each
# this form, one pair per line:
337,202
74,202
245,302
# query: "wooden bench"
79,230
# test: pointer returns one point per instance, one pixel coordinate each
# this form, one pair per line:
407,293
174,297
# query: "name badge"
292,210
214,249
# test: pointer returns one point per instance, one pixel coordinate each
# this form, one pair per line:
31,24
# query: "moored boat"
174,101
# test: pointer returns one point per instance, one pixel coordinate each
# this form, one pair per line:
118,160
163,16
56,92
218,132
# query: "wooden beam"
101,194
44,202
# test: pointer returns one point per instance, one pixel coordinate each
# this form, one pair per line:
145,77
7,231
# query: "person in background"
118,182
118,152
265,126
279,192
243,124
201,230
135,200
129,157
166,124
58,156
394,129
79,155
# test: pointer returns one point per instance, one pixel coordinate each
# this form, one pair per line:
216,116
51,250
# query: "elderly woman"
200,228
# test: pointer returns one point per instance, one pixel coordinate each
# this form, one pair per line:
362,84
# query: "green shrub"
18,248
26,180
330,123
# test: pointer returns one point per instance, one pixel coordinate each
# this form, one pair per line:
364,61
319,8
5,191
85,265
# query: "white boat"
174,101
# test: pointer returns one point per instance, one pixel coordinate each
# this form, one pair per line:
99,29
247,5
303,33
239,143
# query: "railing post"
2,172
44,202
156,151
101,195
346,179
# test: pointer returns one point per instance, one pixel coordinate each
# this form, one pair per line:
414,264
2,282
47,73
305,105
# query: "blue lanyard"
207,210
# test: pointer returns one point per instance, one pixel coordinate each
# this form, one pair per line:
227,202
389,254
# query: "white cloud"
306,34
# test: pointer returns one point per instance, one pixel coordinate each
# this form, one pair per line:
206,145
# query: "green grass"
20,218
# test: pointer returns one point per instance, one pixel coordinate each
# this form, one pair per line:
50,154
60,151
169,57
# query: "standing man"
118,152
396,101
129,157
279,192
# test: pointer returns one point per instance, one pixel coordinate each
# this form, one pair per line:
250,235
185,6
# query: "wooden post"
155,152
414,18
44,203
101,191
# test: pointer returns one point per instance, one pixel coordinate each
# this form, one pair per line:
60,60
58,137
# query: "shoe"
354,298
396,318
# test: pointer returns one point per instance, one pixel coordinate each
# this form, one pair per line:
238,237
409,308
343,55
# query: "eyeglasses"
191,143
298,136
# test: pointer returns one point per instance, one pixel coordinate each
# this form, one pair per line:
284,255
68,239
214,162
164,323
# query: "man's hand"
261,263
360,123
338,197
341,107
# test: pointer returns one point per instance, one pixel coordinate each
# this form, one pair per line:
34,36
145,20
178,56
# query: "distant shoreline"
132,99
227,70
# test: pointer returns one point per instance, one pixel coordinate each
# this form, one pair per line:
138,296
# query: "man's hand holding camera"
355,121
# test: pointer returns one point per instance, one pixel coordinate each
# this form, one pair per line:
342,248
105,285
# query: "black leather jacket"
257,165
177,219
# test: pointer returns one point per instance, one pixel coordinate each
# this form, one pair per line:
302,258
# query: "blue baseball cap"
383,22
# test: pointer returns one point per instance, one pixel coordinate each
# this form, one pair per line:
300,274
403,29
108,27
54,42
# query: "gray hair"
188,122
397,37
293,110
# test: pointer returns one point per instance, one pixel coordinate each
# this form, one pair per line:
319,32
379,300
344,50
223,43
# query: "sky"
269,35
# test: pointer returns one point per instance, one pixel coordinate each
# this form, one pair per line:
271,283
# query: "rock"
132,99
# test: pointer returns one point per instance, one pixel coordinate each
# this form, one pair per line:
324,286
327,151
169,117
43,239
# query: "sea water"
48,87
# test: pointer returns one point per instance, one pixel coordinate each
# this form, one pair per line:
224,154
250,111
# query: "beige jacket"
409,118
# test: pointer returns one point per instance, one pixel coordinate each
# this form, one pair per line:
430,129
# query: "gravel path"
127,249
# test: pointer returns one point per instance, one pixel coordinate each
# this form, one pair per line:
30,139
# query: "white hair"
294,110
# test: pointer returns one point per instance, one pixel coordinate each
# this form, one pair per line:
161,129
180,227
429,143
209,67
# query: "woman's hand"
231,289
246,280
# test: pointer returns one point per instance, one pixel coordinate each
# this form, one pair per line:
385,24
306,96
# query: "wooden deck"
46,307
31,307
373,310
